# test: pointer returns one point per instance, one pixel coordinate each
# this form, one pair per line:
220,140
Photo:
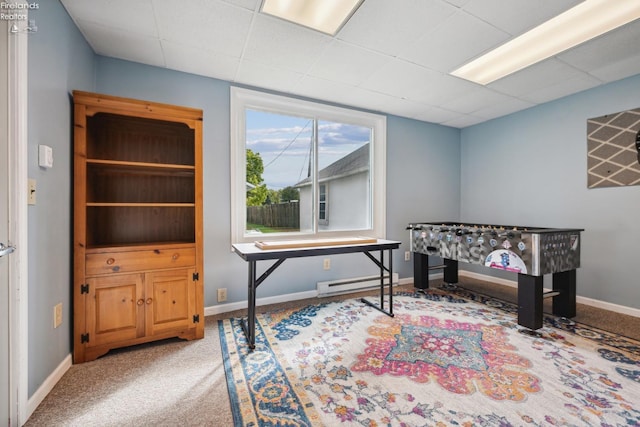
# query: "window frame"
242,99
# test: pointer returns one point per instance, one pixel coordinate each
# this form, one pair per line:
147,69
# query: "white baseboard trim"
225,308
433,276
582,300
405,281
48,385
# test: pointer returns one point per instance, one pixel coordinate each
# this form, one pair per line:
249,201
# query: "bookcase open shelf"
137,223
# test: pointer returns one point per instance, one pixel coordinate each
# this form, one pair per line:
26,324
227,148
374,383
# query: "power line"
308,155
287,147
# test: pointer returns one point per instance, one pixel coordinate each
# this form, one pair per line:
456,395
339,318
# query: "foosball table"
531,252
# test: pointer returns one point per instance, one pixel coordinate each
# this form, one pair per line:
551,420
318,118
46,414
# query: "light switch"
31,195
45,156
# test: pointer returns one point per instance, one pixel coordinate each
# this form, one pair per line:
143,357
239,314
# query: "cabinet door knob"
110,261
175,256
149,300
140,301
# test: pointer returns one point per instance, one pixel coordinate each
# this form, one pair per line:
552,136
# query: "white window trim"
242,99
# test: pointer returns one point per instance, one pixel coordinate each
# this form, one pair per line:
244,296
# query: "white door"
4,231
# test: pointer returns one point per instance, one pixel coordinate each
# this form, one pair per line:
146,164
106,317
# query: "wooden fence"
279,215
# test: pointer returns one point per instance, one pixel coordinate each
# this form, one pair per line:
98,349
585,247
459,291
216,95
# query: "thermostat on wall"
45,156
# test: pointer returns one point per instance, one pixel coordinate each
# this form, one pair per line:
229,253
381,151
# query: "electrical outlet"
222,294
57,315
407,256
326,264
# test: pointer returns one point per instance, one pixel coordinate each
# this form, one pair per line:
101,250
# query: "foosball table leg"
450,271
564,304
420,270
530,301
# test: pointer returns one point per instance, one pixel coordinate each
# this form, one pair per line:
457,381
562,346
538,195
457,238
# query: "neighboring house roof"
355,162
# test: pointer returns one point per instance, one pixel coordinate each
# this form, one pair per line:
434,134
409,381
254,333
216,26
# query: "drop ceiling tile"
247,4
618,70
347,63
367,100
438,91
462,121
458,3
265,76
201,62
502,108
381,102
133,17
402,79
356,97
606,49
217,26
324,90
535,77
410,81
574,84
417,110
451,44
279,43
517,16
474,99
386,26
610,57
118,44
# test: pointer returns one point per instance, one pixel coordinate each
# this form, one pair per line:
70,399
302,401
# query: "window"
301,169
322,206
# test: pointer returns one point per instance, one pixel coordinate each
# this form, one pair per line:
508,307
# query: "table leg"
420,270
381,279
450,271
564,304
249,327
530,301
390,283
380,264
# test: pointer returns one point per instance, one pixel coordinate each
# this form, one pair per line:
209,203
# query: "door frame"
18,225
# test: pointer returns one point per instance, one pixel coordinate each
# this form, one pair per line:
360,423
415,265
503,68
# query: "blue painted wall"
59,60
529,168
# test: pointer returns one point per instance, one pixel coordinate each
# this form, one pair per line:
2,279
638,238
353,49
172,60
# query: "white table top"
250,252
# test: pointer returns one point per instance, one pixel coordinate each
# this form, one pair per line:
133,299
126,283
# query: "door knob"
6,250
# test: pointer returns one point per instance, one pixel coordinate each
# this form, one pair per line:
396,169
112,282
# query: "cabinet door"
170,300
115,309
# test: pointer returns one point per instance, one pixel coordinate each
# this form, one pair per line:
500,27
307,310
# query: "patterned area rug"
446,358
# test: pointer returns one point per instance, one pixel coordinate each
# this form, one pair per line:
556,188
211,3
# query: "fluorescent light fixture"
583,22
326,16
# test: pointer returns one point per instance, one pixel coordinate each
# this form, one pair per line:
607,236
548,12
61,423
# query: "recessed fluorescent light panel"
326,16
581,23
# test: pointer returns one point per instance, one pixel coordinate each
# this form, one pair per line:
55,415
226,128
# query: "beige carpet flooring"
182,383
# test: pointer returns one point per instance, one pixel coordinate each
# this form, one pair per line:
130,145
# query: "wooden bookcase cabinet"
137,223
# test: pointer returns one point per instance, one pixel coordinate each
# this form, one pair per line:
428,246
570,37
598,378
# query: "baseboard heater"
354,284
